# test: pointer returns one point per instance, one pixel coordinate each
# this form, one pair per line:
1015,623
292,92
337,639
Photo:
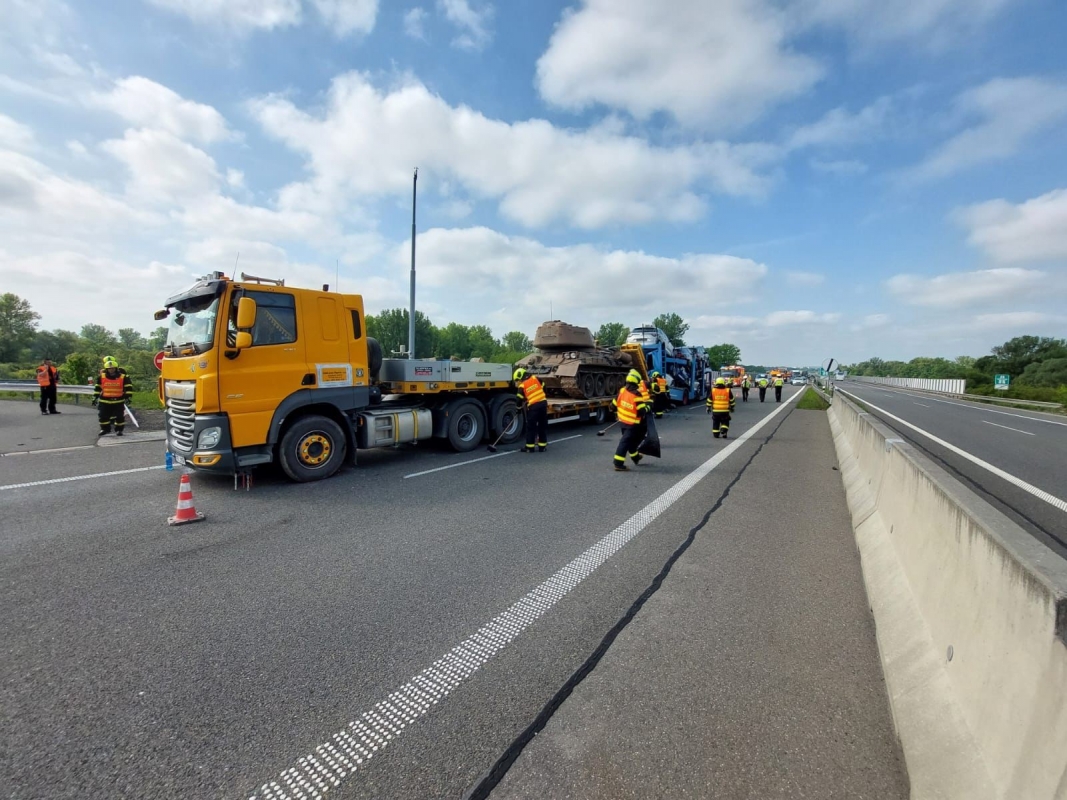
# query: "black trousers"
762,393
659,403
537,425
720,422
777,394
632,436
111,413
48,399
744,393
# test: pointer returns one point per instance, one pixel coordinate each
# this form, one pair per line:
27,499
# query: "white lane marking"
314,775
48,450
1005,427
1041,494
79,478
483,458
976,406
923,405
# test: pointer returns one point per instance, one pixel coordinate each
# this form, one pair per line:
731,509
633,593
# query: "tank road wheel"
466,426
505,418
587,383
313,448
601,385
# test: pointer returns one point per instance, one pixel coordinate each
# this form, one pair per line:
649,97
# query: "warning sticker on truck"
333,375
424,370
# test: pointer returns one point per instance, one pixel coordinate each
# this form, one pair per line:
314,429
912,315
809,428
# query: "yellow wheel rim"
315,449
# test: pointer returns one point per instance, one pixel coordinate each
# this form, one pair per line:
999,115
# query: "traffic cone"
185,512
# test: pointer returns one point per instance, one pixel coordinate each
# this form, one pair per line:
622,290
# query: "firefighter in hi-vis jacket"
532,394
720,405
111,393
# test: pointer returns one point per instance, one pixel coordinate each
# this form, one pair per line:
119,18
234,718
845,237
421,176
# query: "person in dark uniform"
532,394
631,407
111,394
48,380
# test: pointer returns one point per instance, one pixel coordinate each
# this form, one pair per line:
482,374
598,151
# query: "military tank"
569,363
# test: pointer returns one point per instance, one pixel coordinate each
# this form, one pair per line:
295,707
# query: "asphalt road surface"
1030,446
391,631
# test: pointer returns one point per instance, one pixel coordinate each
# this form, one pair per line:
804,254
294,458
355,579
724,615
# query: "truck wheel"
466,426
505,418
313,448
600,416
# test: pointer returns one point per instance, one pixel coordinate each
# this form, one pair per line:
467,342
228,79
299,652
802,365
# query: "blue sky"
803,178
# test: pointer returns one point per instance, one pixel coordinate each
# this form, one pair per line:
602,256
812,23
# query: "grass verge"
812,401
139,400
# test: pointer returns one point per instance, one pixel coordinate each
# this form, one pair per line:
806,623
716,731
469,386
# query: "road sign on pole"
158,360
1001,381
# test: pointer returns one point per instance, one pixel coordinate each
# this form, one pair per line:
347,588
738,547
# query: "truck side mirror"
244,340
246,314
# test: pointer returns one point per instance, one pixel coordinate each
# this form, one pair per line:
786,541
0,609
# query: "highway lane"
1028,445
205,661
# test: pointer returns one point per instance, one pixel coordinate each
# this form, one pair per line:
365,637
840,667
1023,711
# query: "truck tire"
313,448
374,357
506,421
466,426
599,416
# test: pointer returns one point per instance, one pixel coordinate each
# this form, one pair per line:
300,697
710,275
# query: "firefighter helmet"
633,376
520,373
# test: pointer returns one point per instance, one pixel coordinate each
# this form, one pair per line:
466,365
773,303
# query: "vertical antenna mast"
411,311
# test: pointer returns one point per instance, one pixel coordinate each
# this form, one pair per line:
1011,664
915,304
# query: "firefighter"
762,384
532,395
630,409
111,393
48,380
779,382
720,405
660,395
746,384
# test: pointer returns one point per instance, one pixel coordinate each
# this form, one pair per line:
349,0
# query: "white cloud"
1009,111
872,321
163,168
1019,321
235,179
78,149
14,134
145,103
414,22
804,278
464,271
839,126
1035,230
777,319
718,67
366,142
473,25
237,14
969,288
348,16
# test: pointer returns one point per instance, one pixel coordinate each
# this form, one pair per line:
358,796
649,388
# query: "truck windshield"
192,325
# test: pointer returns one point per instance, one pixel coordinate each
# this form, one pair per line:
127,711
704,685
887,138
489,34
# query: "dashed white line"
982,407
923,405
1005,427
1041,494
483,458
346,751
79,478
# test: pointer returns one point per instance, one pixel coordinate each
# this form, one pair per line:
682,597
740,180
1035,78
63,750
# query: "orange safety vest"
534,391
112,388
661,385
720,398
626,406
45,375
646,396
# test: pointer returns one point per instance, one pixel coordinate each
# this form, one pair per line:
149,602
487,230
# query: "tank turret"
569,362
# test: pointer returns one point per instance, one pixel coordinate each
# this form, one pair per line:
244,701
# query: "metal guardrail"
31,386
949,387
1011,400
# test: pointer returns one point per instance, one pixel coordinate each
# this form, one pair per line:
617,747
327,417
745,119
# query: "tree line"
79,354
1037,366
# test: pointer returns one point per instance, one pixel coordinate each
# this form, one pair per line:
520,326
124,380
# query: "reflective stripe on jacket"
112,388
626,406
533,390
721,399
779,382
660,386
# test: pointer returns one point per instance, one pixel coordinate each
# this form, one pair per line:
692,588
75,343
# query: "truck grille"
180,416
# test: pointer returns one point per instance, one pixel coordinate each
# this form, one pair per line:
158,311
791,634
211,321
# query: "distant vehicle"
839,376
798,380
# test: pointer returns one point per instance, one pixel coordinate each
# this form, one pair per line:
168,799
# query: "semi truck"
255,372
679,365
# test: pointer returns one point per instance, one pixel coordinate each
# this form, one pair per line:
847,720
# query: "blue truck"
686,368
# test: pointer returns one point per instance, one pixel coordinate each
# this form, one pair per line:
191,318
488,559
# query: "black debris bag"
650,446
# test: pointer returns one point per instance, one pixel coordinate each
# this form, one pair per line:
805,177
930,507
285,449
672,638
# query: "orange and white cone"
185,512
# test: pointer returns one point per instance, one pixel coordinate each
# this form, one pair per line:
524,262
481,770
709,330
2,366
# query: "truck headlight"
209,437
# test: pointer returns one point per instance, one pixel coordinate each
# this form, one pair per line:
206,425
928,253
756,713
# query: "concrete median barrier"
971,615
